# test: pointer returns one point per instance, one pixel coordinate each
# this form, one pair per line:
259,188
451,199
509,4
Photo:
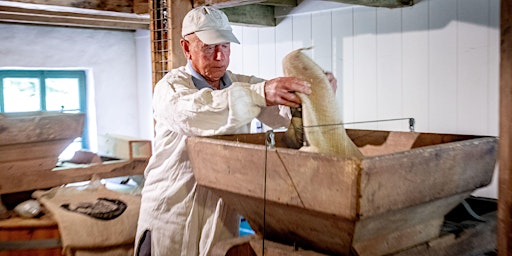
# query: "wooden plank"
125,6
301,32
321,34
415,64
27,151
472,63
389,69
435,172
283,43
343,45
267,52
365,67
505,159
237,58
250,51
26,180
69,16
442,63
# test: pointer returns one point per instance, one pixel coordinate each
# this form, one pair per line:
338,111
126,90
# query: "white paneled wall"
437,61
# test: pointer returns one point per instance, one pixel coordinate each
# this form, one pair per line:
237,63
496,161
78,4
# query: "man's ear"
185,46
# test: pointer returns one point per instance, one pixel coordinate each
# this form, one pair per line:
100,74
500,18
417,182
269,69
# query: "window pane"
62,93
21,94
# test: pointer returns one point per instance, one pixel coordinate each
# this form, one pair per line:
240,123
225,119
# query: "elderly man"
200,99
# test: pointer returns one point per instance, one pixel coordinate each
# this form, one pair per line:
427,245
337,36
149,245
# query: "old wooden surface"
505,160
389,201
24,237
28,179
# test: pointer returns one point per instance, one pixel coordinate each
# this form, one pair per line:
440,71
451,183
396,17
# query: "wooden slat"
505,155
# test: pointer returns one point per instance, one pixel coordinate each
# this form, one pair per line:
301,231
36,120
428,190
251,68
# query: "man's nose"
219,55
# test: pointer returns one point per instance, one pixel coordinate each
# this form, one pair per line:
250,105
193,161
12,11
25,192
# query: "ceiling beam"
12,12
251,14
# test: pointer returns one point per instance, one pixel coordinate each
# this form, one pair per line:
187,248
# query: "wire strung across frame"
412,122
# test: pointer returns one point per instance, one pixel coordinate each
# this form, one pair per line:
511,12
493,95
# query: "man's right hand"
281,91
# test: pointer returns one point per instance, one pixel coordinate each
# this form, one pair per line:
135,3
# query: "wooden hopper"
31,142
394,198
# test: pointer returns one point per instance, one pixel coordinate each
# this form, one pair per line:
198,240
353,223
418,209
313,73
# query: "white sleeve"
272,116
182,108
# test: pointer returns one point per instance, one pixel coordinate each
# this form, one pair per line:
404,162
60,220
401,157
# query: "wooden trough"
394,198
30,145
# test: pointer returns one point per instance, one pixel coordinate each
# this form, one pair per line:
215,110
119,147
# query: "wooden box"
124,147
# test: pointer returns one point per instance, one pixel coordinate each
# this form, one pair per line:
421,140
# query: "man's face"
211,61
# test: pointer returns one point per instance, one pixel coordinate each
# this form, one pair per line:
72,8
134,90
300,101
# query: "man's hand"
281,91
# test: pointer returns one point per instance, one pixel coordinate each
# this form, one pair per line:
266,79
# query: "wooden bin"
29,237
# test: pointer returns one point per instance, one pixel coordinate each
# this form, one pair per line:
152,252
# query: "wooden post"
504,233
166,17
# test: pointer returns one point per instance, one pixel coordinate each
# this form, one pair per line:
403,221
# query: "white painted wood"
237,55
443,65
302,32
415,65
365,63
389,64
267,53
343,53
493,81
472,71
250,51
321,39
284,43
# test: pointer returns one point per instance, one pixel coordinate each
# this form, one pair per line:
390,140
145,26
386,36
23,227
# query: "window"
45,90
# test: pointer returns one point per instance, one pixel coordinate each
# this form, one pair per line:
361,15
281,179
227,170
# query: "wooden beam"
505,150
225,3
125,6
288,3
252,14
379,3
11,12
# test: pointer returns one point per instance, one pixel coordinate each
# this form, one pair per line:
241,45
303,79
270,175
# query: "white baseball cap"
209,24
